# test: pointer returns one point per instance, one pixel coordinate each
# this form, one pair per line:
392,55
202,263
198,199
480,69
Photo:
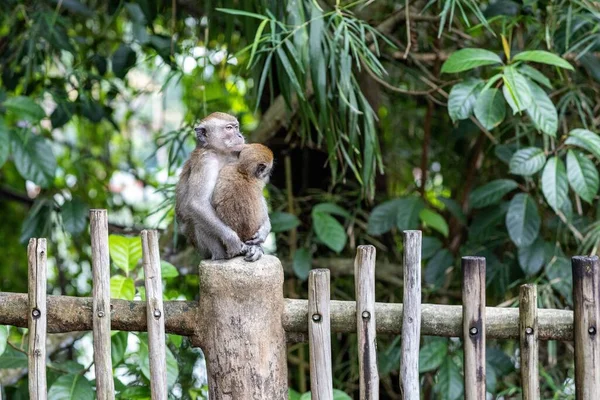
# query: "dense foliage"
476,122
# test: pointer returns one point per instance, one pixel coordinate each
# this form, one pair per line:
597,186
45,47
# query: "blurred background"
378,124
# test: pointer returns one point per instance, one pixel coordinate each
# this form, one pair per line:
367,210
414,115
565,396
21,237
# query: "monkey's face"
220,132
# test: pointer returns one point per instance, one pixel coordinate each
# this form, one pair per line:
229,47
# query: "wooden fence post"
155,314
364,279
528,332
473,298
36,254
105,387
411,316
319,335
239,328
586,303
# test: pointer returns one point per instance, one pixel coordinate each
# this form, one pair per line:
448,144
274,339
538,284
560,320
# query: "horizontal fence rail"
70,314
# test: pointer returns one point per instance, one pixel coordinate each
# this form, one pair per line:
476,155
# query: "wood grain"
154,314
319,335
101,305
364,276
36,255
528,331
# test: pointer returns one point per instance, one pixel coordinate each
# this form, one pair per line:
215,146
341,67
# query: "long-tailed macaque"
238,196
218,143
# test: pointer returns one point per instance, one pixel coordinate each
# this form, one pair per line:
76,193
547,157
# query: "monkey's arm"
265,228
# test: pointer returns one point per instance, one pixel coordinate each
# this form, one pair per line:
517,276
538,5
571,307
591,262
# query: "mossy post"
239,328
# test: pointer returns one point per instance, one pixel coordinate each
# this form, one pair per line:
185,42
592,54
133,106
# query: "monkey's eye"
229,127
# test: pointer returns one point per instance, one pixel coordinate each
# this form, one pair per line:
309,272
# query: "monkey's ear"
200,134
260,169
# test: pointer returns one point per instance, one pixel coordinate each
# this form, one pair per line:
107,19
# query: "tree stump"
240,331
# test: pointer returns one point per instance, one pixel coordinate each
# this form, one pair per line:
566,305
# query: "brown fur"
238,197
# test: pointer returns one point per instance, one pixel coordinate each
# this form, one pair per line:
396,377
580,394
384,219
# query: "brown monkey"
218,143
238,197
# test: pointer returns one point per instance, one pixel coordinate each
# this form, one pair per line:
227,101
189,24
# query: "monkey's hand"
234,246
254,253
261,235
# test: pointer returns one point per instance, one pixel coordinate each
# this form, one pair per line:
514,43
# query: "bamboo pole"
528,328
319,335
474,326
364,276
36,254
586,300
154,314
101,305
411,316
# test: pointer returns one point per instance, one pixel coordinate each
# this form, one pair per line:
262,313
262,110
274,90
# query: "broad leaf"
522,220
544,57
429,246
383,217
534,74
558,271
302,263
172,367
585,139
491,193
12,358
462,97
122,60
432,355
435,271
555,185
3,338
168,270
434,221
408,210
527,161
71,387
118,345
4,142
331,208
542,111
329,231
39,220
122,288
24,108
282,221
490,108
125,251
454,208
582,175
531,258
449,384
74,216
465,59
516,90
34,158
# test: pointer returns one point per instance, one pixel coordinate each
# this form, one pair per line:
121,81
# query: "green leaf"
582,175
534,74
39,220
293,395
454,208
527,161
257,38
531,258
329,231
24,108
465,59
462,97
544,57
289,70
432,355
449,384
118,345
122,60
3,338
282,221
122,288
383,217
340,395
435,272
302,263
74,216
172,367
542,111
12,358
585,139
516,90
241,13
555,185
71,387
522,220
490,108
34,159
430,245
168,270
331,208
408,210
435,221
558,271
491,193
4,142
125,251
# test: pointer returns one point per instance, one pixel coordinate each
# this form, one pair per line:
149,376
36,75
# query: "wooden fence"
242,322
